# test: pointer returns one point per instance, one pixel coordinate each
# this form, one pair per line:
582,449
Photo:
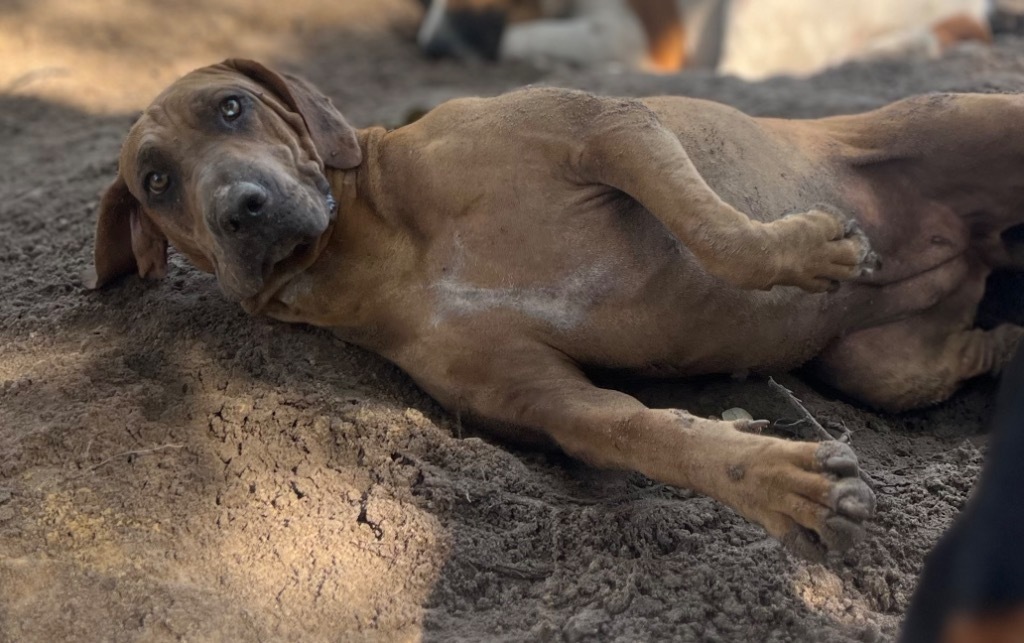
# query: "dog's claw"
752,426
871,264
856,507
850,227
838,459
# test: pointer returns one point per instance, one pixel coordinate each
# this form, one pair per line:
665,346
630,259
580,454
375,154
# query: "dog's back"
972,588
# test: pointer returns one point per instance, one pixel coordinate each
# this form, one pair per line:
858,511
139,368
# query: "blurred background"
114,54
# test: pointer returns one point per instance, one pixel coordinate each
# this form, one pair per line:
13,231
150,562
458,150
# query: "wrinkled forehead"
180,115
202,83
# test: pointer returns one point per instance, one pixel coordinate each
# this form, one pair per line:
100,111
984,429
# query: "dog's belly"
682,321
612,288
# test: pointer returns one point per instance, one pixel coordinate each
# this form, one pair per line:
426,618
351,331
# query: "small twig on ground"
522,573
798,405
846,436
820,430
125,454
789,426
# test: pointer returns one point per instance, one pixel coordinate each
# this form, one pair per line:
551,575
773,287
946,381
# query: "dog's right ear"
126,241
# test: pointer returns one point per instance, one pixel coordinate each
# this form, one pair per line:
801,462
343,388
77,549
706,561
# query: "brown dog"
499,248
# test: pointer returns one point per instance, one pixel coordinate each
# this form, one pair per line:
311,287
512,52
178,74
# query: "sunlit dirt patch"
225,494
115,55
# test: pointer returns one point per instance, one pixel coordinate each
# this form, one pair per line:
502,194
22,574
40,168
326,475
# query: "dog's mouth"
247,268
245,284
297,253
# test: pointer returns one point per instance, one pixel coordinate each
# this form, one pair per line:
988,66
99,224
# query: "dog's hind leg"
629,149
922,358
808,495
912,363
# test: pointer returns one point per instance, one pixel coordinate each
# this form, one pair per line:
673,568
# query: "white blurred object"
747,38
587,32
770,37
598,31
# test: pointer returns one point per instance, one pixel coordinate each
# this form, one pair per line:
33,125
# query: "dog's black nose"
244,204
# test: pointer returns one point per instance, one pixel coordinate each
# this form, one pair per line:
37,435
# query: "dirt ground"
172,469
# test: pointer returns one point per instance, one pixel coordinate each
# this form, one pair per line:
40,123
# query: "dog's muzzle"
256,227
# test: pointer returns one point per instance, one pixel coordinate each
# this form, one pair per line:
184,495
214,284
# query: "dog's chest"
562,304
555,279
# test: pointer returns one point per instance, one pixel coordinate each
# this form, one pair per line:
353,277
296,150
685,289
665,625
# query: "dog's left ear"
334,139
126,241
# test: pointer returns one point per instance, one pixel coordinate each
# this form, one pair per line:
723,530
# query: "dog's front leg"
815,250
808,495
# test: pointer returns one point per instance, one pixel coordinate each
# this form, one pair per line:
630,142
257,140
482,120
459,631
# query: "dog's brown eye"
157,182
231,108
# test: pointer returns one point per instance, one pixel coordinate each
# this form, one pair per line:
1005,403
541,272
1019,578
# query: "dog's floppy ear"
126,241
333,137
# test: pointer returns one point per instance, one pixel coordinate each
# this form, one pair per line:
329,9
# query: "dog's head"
228,164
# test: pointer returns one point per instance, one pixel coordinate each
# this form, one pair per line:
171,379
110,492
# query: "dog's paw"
818,249
816,502
836,521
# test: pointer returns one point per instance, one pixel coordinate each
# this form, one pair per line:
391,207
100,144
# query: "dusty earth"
172,469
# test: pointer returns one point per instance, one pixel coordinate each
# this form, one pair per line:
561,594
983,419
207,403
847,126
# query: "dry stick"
162,447
522,573
820,430
788,394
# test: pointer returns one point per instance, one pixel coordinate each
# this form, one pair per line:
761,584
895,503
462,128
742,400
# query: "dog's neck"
354,263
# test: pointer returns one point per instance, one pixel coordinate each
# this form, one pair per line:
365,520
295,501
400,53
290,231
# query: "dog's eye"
157,182
231,108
